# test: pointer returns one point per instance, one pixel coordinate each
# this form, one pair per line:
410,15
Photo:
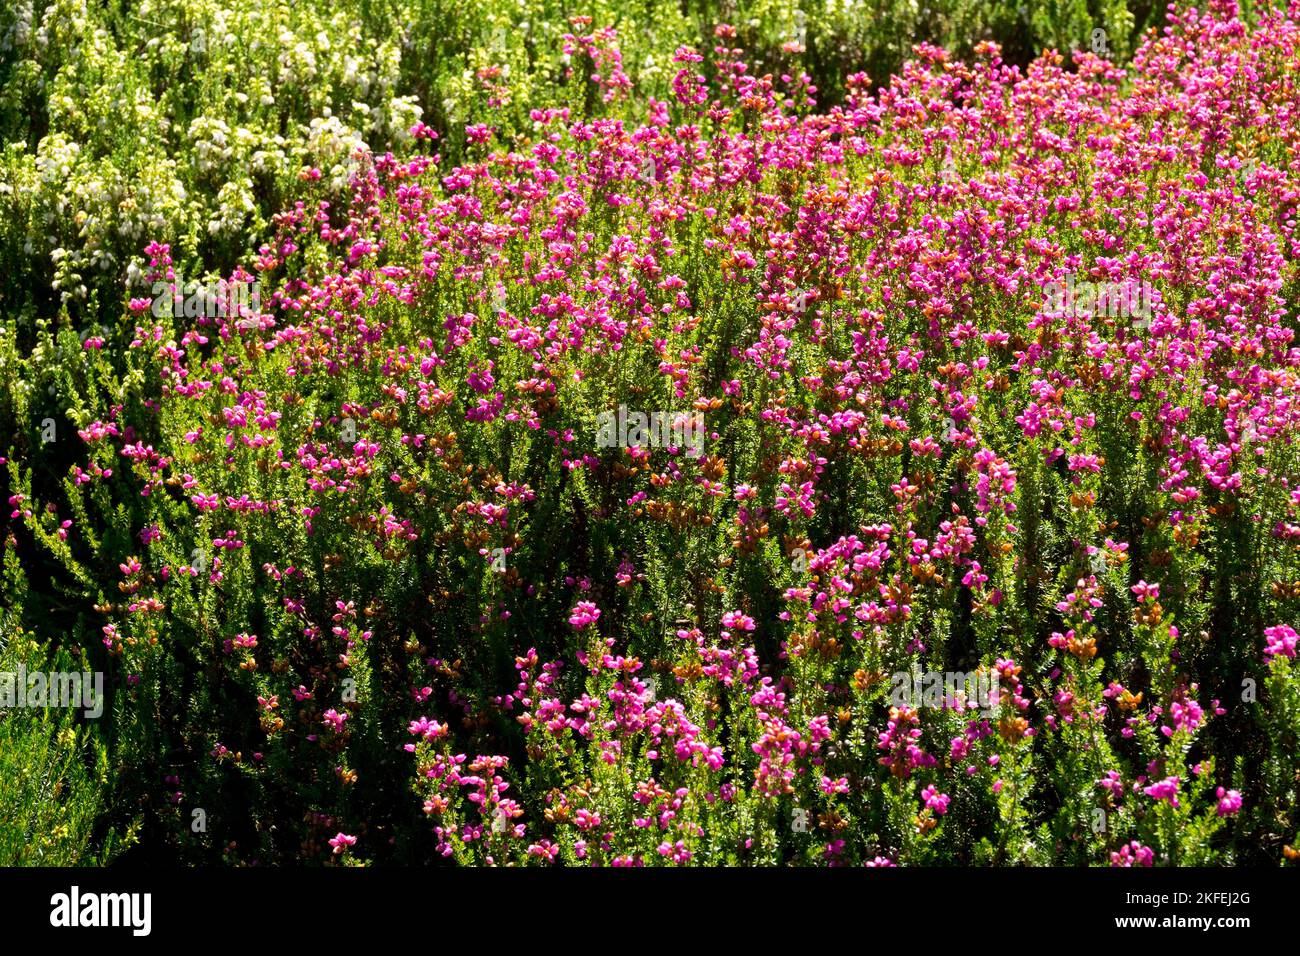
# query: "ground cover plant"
189,121
697,469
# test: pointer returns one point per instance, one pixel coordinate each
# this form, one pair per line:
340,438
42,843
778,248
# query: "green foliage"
54,772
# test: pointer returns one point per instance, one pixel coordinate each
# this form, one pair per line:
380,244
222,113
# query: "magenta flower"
1229,802
934,800
584,614
1166,789
1133,854
738,620
342,842
1281,640
1186,715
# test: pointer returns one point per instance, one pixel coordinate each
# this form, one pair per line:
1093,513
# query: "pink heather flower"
934,800
736,619
1281,640
1166,789
677,851
545,849
1229,802
1186,716
341,842
1112,782
832,851
830,787
334,720
1134,854
584,614
880,861
1142,590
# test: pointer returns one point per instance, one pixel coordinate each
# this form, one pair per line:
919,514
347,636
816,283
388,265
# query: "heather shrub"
190,123
54,770
988,372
